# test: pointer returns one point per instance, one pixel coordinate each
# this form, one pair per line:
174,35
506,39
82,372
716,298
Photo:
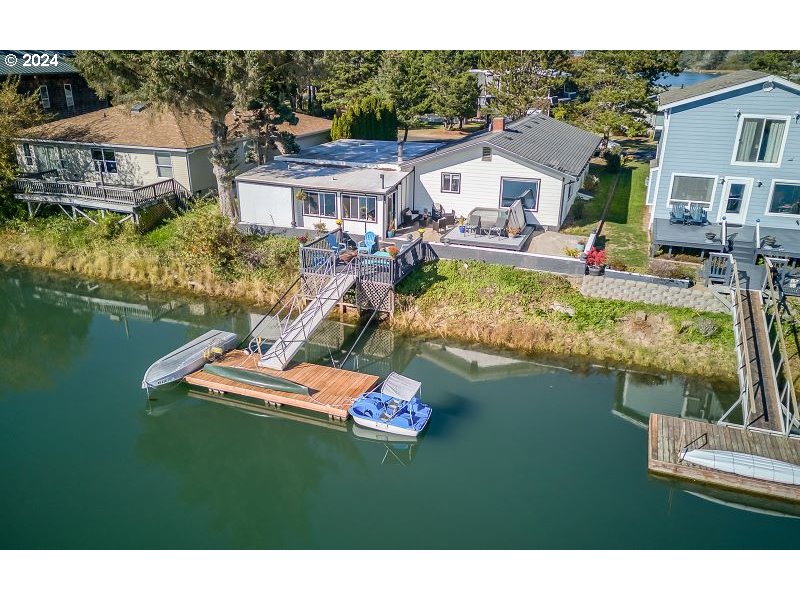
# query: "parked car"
432,119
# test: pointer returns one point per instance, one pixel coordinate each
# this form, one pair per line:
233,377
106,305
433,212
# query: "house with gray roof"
727,170
380,186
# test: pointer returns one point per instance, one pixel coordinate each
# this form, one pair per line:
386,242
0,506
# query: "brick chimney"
498,124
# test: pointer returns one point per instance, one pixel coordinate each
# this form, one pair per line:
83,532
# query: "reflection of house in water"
475,365
639,394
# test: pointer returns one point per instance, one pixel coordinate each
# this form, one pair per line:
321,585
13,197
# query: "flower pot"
390,234
596,271
580,247
462,229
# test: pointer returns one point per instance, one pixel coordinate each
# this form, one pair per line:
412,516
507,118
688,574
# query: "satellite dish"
768,86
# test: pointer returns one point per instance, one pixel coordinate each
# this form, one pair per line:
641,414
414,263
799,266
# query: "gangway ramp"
297,332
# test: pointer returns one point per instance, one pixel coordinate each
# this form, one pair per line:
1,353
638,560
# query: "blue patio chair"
334,245
697,214
678,213
368,244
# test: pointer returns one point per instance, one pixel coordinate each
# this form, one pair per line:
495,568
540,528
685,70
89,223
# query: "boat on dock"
189,358
746,465
256,378
394,408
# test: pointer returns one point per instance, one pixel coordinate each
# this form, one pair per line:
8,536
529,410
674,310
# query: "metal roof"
18,67
324,177
537,139
709,86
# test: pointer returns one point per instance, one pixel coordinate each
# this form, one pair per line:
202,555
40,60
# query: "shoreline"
530,339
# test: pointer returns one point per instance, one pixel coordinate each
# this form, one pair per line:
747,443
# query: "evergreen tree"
523,78
372,118
208,82
348,76
785,63
617,88
404,82
453,89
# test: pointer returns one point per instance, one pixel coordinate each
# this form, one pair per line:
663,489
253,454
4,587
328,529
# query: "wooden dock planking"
665,442
333,391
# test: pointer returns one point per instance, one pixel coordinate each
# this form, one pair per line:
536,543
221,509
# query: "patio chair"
678,213
368,244
500,224
334,245
697,214
473,225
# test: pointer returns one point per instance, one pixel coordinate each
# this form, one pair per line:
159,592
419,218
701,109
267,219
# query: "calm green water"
519,454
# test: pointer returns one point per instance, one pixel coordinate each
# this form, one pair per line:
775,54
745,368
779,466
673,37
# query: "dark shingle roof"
18,68
547,141
709,85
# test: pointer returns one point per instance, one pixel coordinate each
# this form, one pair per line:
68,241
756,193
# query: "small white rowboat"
188,358
746,465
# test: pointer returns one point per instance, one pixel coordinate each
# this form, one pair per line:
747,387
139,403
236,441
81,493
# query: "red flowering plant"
595,258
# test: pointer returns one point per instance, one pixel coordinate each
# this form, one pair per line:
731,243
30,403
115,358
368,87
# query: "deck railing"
772,300
317,256
136,197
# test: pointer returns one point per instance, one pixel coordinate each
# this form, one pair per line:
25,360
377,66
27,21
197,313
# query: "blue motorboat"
394,407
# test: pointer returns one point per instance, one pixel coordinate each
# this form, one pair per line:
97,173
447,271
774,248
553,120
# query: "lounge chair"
500,224
678,213
474,224
368,244
334,245
697,214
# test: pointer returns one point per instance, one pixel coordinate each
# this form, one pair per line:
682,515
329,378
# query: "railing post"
758,234
725,232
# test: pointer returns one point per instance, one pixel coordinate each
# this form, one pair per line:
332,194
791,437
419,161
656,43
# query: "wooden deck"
333,391
668,436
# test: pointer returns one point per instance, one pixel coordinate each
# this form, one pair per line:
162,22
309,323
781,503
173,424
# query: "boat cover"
398,386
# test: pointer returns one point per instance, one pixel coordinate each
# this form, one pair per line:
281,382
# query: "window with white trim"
27,152
760,140
525,190
451,183
44,96
319,204
785,198
68,95
692,188
359,208
164,164
105,161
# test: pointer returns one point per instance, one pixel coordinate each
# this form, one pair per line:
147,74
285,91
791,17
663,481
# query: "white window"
525,190
68,95
692,188
760,140
27,152
44,96
164,164
319,204
359,208
105,161
784,198
451,183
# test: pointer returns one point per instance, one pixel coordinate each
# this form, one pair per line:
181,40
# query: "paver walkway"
697,297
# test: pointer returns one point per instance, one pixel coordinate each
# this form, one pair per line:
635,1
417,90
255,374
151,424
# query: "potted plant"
338,222
513,231
390,233
321,227
595,261
303,239
580,245
461,226
393,251
421,231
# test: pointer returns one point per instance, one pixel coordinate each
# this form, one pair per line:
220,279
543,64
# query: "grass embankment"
522,310
195,251
491,304
624,233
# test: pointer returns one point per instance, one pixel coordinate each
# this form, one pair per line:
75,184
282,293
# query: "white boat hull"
187,359
385,427
746,465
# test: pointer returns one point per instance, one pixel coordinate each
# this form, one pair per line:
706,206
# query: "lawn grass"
623,235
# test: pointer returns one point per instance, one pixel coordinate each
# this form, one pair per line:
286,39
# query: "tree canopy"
17,111
194,81
453,89
349,75
372,118
403,81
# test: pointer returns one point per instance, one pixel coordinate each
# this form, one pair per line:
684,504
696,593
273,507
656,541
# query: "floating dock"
670,436
333,391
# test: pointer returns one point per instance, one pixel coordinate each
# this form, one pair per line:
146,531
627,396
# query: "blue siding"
701,137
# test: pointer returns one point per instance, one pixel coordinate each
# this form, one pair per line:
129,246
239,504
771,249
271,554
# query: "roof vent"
138,107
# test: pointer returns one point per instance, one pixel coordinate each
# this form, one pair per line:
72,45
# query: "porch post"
724,234
758,233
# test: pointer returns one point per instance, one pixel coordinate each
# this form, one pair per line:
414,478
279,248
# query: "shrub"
613,160
578,209
591,183
321,227
205,238
595,257
109,226
571,252
706,327
667,270
617,264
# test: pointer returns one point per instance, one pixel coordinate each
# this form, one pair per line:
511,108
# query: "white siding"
265,204
200,168
480,184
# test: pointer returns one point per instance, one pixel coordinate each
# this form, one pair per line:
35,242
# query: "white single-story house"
374,185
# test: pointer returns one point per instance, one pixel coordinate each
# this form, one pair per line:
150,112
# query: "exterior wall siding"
701,139
480,185
313,139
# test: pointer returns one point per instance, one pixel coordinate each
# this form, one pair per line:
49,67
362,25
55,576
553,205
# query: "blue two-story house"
727,170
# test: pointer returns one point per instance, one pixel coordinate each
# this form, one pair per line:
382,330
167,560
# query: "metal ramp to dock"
295,333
